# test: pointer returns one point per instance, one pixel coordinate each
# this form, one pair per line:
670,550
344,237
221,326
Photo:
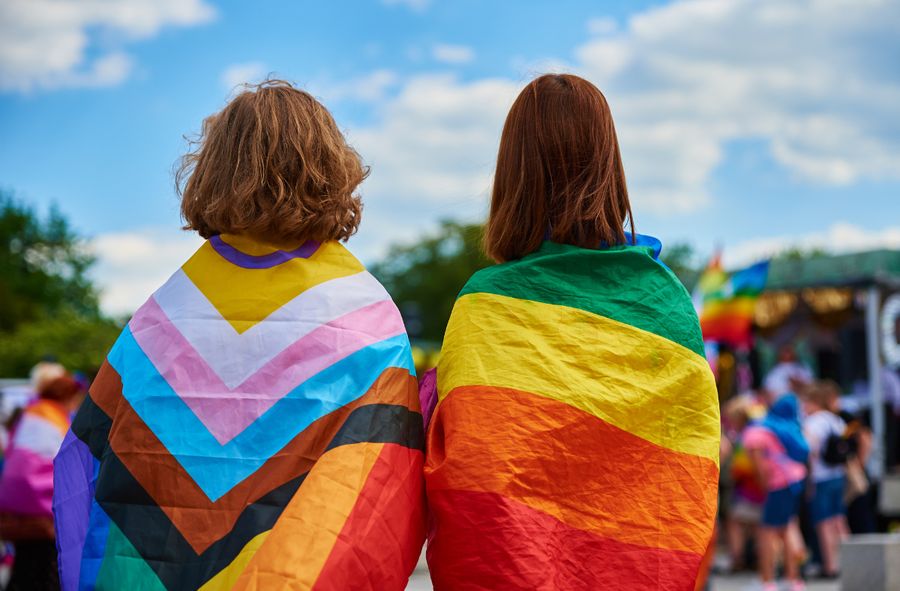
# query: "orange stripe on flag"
571,465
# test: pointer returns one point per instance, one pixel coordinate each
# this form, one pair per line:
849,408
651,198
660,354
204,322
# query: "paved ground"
421,582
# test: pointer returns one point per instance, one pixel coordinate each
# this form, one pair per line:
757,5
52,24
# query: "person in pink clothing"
26,485
779,454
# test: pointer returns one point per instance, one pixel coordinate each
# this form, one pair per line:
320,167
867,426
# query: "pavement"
742,582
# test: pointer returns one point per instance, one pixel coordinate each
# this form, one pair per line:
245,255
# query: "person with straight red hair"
575,439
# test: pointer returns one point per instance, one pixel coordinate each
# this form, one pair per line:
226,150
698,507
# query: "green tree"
48,305
681,258
425,277
43,265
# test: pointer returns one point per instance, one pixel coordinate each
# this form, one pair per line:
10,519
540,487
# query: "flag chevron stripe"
163,547
236,356
622,283
202,390
217,468
627,367
226,285
186,505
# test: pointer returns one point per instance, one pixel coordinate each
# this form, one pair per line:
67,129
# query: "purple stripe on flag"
266,261
74,491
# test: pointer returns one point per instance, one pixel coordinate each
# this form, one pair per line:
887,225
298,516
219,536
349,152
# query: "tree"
425,277
43,265
681,258
48,305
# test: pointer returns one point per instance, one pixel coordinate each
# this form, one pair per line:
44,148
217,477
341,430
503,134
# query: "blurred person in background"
26,485
745,501
829,453
779,453
788,375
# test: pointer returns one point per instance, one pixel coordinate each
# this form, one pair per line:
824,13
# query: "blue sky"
754,124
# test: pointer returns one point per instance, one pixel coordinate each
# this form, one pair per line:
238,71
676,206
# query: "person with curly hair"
257,423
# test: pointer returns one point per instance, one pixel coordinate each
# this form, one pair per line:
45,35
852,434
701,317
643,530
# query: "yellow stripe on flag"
635,380
248,296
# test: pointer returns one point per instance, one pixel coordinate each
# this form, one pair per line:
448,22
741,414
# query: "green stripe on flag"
623,283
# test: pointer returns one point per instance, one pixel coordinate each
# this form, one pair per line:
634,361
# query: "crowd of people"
794,478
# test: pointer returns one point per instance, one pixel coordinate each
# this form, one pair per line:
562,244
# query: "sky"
750,125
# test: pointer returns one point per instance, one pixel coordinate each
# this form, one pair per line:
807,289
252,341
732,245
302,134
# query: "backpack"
838,449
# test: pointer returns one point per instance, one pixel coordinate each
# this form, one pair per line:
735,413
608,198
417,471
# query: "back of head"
822,394
272,165
559,171
45,372
63,389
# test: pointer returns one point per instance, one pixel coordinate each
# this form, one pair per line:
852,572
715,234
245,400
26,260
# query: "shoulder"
623,284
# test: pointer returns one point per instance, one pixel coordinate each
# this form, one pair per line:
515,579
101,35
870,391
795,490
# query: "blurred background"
754,132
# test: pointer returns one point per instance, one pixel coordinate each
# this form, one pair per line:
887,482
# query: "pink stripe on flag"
225,411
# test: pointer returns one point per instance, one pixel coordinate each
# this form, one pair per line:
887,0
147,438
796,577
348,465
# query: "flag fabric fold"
255,426
575,440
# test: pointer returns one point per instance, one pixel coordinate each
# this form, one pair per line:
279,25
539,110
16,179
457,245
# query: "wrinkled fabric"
575,440
255,426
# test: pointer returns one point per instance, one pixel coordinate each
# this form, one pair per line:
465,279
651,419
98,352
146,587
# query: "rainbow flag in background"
726,302
575,443
256,426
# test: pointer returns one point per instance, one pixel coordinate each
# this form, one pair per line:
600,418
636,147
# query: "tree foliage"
43,265
425,277
48,306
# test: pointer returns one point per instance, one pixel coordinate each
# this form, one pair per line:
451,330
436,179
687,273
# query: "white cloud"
416,5
838,238
434,145
811,78
132,265
371,87
602,26
46,43
244,73
452,54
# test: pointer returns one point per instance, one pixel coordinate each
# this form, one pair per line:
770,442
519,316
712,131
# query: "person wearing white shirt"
828,476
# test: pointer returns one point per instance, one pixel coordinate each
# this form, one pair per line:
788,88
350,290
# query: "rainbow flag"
256,426
575,443
726,302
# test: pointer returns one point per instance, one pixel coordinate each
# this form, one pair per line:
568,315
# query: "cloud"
416,5
372,87
48,44
244,73
812,79
838,238
132,265
434,144
452,54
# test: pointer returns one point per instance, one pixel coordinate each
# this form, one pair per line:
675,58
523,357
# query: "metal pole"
876,465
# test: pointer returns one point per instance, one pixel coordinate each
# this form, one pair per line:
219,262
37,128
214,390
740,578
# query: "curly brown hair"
271,165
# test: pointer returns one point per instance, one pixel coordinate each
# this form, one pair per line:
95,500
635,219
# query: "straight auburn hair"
559,172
